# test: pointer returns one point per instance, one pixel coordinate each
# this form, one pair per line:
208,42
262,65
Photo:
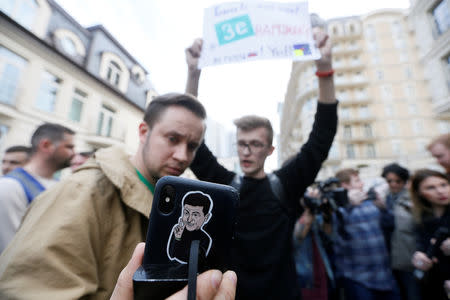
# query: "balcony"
356,120
358,138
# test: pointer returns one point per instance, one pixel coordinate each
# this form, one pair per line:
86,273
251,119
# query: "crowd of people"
77,238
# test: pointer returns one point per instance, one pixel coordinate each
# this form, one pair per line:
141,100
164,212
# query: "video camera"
331,197
441,234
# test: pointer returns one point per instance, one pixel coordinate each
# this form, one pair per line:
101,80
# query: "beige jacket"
77,236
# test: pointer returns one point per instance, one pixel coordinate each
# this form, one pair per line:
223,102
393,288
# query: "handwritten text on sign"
237,32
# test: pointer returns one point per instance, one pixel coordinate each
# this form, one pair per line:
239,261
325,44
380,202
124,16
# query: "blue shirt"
361,253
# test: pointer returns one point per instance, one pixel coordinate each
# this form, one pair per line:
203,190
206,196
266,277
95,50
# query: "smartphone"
184,210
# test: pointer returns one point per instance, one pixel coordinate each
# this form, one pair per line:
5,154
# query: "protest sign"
243,31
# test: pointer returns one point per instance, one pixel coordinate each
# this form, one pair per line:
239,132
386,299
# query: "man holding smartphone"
262,253
77,236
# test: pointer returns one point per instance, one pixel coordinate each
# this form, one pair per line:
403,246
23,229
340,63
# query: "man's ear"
45,145
271,150
144,130
207,217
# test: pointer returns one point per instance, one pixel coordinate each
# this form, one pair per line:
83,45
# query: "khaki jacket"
77,236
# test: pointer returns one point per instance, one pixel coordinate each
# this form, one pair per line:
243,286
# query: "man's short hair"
158,106
19,148
52,131
398,170
198,199
247,123
443,139
345,175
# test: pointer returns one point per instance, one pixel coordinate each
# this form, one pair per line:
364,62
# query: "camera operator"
311,242
430,192
362,262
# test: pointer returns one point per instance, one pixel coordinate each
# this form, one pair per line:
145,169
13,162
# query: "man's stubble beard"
145,150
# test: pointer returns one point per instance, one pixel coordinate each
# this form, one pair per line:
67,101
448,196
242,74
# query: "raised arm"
192,57
324,66
301,171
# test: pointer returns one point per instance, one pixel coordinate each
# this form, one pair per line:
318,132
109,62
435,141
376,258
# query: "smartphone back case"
184,210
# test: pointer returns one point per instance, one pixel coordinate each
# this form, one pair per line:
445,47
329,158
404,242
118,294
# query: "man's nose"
181,153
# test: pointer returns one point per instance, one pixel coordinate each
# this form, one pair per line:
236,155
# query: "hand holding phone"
184,211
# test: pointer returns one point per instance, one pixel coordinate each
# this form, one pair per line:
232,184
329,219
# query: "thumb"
207,286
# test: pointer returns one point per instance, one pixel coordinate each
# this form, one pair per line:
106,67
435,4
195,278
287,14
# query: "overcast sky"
157,32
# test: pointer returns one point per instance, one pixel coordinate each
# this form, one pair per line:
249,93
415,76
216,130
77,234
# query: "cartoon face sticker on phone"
196,210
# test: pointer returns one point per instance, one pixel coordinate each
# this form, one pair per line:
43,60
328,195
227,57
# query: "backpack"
276,187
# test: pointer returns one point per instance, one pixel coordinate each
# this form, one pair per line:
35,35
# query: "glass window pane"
441,16
75,110
11,67
100,123
69,46
47,93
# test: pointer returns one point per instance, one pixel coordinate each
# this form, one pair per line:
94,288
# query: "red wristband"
325,73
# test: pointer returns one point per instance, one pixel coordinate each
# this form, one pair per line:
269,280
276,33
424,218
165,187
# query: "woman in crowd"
400,239
430,192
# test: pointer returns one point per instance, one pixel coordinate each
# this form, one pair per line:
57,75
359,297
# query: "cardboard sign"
239,31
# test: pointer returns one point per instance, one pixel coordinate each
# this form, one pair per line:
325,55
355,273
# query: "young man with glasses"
262,254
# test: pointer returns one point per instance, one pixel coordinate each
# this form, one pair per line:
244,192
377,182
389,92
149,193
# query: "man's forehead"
193,208
256,134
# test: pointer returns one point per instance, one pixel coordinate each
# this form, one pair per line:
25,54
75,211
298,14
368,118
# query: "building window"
76,109
370,32
350,150
409,91
46,99
397,29
441,17
392,128
412,108
342,95
380,74
396,147
376,59
334,151
389,109
347,132
447,68
364,112
113,73
444,126
417,126
421,146
22,11
408,72
68,46
3,132
403,57
368,130
11,69
345,113
361,94
370,151
386,91
105,121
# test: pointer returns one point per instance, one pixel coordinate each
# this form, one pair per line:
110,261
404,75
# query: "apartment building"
431,22
52,69
385,110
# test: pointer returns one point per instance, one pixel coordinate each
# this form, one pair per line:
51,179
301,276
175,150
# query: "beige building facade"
54,70
385,110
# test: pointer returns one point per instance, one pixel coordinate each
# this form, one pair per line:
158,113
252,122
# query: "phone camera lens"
166,204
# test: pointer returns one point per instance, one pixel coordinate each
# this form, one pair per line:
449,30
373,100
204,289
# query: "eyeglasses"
253,146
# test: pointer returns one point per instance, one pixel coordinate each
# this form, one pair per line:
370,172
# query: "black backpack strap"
275,186
278,191
236,182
